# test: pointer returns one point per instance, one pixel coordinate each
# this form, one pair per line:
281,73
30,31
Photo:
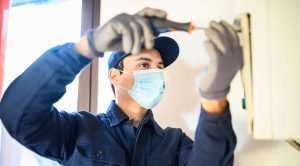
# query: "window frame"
88,78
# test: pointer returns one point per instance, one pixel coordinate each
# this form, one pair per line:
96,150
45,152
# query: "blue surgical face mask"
148,87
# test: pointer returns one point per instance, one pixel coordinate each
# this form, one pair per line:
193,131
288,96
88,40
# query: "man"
127,134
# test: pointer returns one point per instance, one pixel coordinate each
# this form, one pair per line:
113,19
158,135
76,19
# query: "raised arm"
215,139
26,108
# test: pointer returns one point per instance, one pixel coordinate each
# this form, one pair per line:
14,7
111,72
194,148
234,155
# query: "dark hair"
120,66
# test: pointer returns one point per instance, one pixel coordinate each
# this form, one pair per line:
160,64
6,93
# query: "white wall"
180,107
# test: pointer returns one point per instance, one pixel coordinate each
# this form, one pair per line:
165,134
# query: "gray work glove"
151,12
124,32
226,59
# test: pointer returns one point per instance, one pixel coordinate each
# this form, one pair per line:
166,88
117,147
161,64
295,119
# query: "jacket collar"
116,116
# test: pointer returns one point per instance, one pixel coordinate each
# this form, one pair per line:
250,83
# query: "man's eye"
144,65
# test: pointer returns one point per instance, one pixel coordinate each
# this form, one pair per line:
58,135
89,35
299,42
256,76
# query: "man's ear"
113,76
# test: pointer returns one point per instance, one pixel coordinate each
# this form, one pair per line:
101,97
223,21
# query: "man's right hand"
124,32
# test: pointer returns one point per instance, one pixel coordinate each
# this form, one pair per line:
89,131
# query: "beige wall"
180,107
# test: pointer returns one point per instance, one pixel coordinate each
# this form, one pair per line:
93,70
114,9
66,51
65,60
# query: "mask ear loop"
122,78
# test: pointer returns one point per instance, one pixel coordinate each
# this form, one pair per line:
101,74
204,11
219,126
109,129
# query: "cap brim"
168,49
166,46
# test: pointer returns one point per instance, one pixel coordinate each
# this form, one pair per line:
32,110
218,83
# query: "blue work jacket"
84,139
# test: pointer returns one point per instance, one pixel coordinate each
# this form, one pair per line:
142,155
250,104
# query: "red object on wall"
4,5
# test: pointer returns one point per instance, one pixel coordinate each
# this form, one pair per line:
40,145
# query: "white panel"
261,64
276,61
242,22
284,47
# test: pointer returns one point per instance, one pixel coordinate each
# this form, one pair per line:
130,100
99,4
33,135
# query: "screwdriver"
165,25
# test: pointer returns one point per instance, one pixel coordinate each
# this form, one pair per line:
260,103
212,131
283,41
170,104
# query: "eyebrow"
148,59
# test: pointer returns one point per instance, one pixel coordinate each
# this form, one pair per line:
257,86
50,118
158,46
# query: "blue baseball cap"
166,46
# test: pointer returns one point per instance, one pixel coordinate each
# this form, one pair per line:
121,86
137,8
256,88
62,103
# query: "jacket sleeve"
27,111
214,143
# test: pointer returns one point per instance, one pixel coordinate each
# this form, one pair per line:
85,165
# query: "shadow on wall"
180,106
